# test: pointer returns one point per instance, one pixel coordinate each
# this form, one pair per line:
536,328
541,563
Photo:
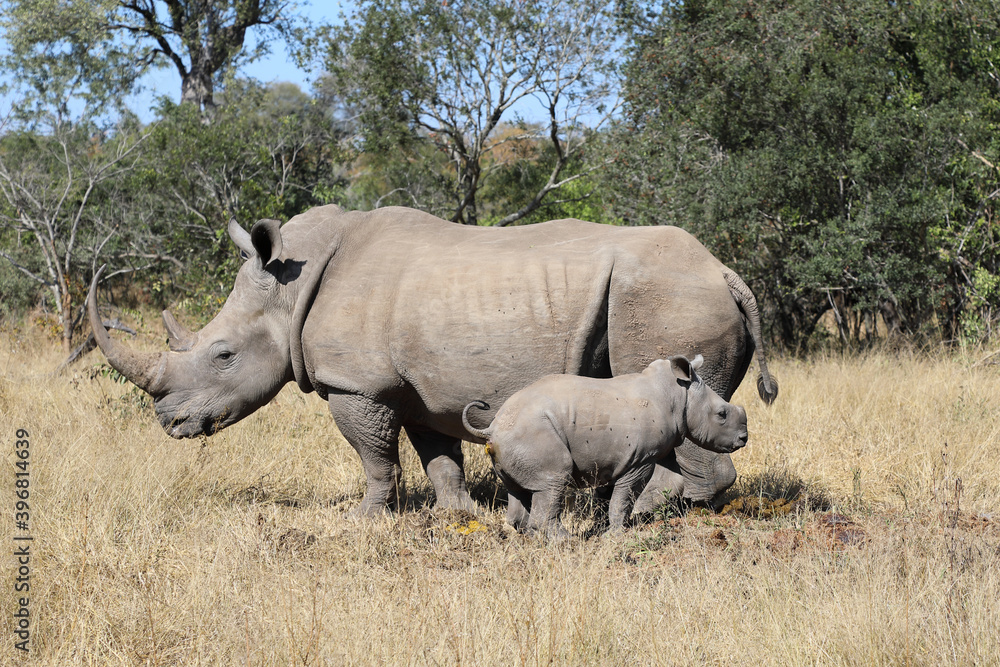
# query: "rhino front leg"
706,474
442,458
372,428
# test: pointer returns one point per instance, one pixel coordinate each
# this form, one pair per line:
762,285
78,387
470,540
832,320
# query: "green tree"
816,147
111,44
270,152
65,207
439,78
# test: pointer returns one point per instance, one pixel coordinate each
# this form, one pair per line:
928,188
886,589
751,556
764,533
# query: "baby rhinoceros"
566,429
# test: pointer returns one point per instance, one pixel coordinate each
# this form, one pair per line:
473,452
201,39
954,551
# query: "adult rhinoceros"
399,319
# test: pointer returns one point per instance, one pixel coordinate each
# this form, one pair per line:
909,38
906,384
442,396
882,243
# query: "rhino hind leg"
627,490
372,428
536,467
546,510
443,461
518,509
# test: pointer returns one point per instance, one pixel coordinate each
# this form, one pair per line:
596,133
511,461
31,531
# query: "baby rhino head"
711,422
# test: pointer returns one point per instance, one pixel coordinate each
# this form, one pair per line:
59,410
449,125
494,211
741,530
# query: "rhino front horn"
143,369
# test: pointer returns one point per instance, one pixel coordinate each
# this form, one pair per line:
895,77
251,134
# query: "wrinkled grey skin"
565,429
398,318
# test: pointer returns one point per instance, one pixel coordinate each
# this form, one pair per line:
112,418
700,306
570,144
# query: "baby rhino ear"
684,369
681,367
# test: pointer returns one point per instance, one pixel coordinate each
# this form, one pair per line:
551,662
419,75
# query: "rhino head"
217,376
710,421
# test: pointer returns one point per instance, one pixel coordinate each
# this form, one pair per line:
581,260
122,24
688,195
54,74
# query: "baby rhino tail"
479,433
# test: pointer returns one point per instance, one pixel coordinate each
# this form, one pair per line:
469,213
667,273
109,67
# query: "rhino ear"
266,238
681,368
241,238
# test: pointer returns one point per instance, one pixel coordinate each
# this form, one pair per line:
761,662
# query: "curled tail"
479,433
767,387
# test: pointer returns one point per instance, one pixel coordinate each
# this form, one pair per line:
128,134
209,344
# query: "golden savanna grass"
864,529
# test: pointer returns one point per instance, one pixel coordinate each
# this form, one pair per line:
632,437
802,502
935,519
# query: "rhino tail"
767,386
479,433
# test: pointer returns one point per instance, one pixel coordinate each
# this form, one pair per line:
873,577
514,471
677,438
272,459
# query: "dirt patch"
760,507
785,542
839,530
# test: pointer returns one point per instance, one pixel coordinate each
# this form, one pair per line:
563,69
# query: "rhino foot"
456,501
370,510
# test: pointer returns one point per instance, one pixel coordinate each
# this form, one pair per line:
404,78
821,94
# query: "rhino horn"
143,369
180,339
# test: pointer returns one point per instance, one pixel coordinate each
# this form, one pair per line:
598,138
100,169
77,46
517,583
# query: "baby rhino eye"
723,414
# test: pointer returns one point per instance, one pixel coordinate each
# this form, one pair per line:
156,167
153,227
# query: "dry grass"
237,549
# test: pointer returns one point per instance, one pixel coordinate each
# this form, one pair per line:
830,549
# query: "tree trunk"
197,88
66,322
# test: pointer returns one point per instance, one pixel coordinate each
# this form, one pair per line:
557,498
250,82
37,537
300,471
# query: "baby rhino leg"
627,489
546,508
536,467
518,507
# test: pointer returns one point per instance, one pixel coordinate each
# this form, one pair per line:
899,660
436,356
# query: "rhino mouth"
191,426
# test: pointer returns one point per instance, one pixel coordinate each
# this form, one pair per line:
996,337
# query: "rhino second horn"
180,339
143,369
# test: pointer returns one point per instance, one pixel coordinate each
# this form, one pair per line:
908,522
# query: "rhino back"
459,312
446,313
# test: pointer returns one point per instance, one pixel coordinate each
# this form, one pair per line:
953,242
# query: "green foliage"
436,87
77,189
980,316
822,150
269,152
65,207
516,181
98,50
17,291
58,50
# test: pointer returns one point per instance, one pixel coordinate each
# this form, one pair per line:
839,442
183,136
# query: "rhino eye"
224,356
723,414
